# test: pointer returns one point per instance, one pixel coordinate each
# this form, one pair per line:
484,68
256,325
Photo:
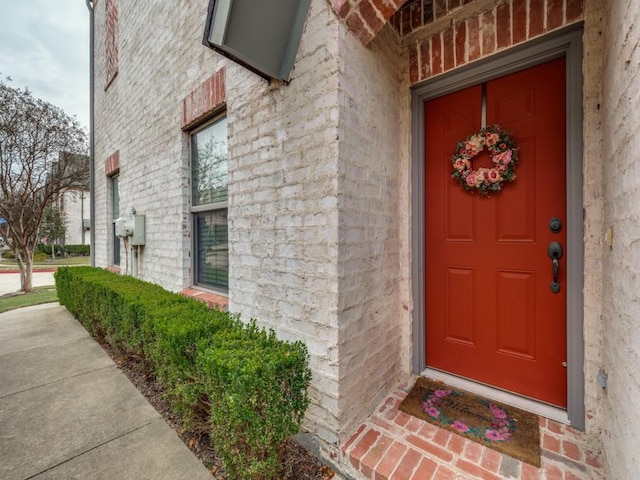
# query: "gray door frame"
564,43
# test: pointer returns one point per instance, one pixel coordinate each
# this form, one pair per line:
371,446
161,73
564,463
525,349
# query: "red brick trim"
471,36
112,164
365,18
111,41
211,299
113,269
204,100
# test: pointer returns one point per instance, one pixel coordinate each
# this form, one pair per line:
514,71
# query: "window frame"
196,210
116,248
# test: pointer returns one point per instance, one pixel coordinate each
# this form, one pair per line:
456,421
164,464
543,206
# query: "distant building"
75,206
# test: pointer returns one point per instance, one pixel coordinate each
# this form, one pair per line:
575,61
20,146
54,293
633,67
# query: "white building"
325,207
76,207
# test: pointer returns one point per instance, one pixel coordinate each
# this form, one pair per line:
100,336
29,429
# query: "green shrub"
78,250
46,249
37,256
71,250
40,257
253,385
262,401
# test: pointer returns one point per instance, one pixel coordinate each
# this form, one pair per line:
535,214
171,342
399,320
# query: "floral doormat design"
506,429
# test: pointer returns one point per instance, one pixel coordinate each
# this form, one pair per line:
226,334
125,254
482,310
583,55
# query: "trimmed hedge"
72,250
254,384
78,250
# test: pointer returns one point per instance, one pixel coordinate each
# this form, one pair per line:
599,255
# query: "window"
115,204
209,205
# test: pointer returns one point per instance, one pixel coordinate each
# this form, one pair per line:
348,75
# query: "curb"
39,270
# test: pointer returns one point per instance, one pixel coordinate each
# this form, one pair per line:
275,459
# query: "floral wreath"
504,155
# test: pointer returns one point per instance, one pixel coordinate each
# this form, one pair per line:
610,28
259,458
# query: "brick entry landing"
394,445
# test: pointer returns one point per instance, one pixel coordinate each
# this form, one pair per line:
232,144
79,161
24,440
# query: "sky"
44,45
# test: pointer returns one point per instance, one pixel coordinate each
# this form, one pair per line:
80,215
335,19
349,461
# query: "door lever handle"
555,286
555,254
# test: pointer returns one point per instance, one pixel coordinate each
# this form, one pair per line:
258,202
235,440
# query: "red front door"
490,312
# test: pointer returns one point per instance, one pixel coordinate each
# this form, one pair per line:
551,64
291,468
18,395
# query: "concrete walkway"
10,281
67,412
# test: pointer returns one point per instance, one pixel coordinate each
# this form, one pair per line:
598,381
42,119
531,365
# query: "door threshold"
527,404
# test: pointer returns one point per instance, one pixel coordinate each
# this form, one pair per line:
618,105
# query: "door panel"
460,317
491,315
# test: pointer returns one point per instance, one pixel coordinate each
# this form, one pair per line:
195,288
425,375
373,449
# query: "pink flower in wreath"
491,138
460,426
470,149
471,179
503,158
483,177
494,175
461,164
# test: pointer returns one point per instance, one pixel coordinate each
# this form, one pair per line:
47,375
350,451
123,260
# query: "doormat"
506,429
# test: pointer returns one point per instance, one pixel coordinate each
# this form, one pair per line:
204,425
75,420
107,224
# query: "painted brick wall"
161,60
106,113
621,280
593,212
372,225
283,207
283,174
319,200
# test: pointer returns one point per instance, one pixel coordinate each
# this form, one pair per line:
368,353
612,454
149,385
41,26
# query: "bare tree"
42,154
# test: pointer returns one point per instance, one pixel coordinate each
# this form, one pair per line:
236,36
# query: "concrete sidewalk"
10,281
67,412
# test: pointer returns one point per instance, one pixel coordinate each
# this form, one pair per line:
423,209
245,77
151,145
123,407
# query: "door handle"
555,254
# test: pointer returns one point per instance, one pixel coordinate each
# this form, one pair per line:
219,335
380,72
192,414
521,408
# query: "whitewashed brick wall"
621,280
593,213
283,207
161,59
319,198
283,175
372,228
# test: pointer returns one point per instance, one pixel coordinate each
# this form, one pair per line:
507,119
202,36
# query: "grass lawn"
7,264
38,296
